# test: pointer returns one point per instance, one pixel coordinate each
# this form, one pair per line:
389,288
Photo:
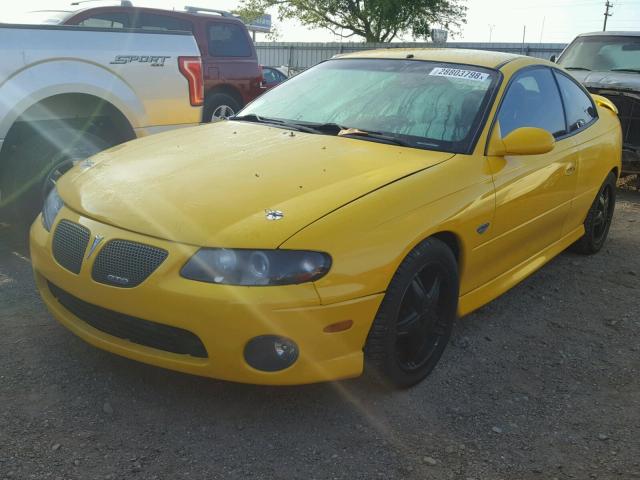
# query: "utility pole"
524,33
491,27
608,5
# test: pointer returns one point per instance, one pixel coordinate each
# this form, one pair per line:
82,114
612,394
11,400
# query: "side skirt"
484,294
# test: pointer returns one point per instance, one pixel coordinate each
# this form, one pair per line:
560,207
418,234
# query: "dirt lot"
542,383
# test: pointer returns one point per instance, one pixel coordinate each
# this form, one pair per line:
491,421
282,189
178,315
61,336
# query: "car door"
581,115
533,193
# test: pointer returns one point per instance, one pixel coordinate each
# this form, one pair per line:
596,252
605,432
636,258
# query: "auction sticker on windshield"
459,73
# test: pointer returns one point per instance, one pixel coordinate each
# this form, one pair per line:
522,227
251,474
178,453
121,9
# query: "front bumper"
224,318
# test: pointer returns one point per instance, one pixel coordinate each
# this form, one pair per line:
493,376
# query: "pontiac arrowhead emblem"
273,215
96,241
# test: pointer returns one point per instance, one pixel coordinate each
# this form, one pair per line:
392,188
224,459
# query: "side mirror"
553,58
522,141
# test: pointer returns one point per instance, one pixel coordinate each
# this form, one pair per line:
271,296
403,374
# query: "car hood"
212,185
609,80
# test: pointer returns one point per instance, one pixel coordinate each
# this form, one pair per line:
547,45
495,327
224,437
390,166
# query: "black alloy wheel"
421,323
599,217
415,320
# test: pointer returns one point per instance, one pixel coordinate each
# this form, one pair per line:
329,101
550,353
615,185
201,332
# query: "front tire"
416,317
598,221
30,170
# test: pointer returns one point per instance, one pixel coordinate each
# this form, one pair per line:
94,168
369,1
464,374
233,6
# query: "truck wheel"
31,169
415,320
598,221
220,106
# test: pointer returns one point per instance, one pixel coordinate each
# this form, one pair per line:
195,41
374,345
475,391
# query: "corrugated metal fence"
299,56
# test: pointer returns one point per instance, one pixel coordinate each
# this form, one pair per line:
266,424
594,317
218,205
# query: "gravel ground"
542,383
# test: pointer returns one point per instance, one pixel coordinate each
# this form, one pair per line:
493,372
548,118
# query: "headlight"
256,267
52,206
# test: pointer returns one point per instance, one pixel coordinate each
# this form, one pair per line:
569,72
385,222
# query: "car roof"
611,34
481,58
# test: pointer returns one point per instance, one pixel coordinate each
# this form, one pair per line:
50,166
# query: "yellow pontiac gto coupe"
340,223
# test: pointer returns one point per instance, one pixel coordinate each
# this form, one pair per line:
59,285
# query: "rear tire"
29,169
598,221
416,317
220,106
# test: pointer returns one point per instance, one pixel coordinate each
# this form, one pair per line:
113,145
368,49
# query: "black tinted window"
151,21
532,101
228,40
271,75
106,20
578,105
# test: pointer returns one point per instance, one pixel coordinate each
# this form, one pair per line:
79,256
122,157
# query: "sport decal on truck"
153,60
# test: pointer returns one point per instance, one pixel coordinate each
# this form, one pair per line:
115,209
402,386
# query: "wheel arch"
616,172
79,109
228,90
451,240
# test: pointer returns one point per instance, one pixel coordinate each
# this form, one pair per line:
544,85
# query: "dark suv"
232,75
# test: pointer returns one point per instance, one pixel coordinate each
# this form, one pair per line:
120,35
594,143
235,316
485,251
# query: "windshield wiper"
252,117
633,70
324,129
354,132
578,68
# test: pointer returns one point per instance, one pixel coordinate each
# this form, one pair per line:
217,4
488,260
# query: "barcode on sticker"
459,73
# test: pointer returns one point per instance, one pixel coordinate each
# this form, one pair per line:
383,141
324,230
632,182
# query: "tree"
373,20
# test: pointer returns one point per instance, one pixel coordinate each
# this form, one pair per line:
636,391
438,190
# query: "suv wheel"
220,106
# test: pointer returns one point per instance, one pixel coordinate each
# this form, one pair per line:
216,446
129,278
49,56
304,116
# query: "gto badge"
96,241
273,215
118,280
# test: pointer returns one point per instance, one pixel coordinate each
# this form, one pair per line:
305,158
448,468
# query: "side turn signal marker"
338,327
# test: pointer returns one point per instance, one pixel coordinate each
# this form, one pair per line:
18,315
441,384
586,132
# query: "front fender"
368,238
37,82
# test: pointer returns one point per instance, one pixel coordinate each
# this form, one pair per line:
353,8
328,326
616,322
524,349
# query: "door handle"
570,169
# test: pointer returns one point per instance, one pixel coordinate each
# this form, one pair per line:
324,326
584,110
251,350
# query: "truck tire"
31,166
220,106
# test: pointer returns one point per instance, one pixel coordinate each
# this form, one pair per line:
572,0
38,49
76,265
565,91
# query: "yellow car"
339,224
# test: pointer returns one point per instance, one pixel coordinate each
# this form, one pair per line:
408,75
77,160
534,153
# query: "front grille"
126,264
136,330
69,243
629,114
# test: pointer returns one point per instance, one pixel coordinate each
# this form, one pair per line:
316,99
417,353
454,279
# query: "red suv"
232,75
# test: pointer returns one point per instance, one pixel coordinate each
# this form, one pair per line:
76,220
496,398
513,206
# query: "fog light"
270,353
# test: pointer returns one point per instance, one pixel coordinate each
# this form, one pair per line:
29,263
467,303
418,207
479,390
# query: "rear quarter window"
106,20
579,107
151,21
228,40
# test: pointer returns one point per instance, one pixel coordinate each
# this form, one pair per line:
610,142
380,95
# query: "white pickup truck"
69,92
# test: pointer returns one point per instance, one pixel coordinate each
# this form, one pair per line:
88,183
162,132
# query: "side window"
579,107
228,40
151,21
532,100
106,20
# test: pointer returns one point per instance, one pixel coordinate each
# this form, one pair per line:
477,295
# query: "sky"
496,20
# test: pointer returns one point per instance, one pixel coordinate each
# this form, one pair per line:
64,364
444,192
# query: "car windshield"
422,104
603,53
